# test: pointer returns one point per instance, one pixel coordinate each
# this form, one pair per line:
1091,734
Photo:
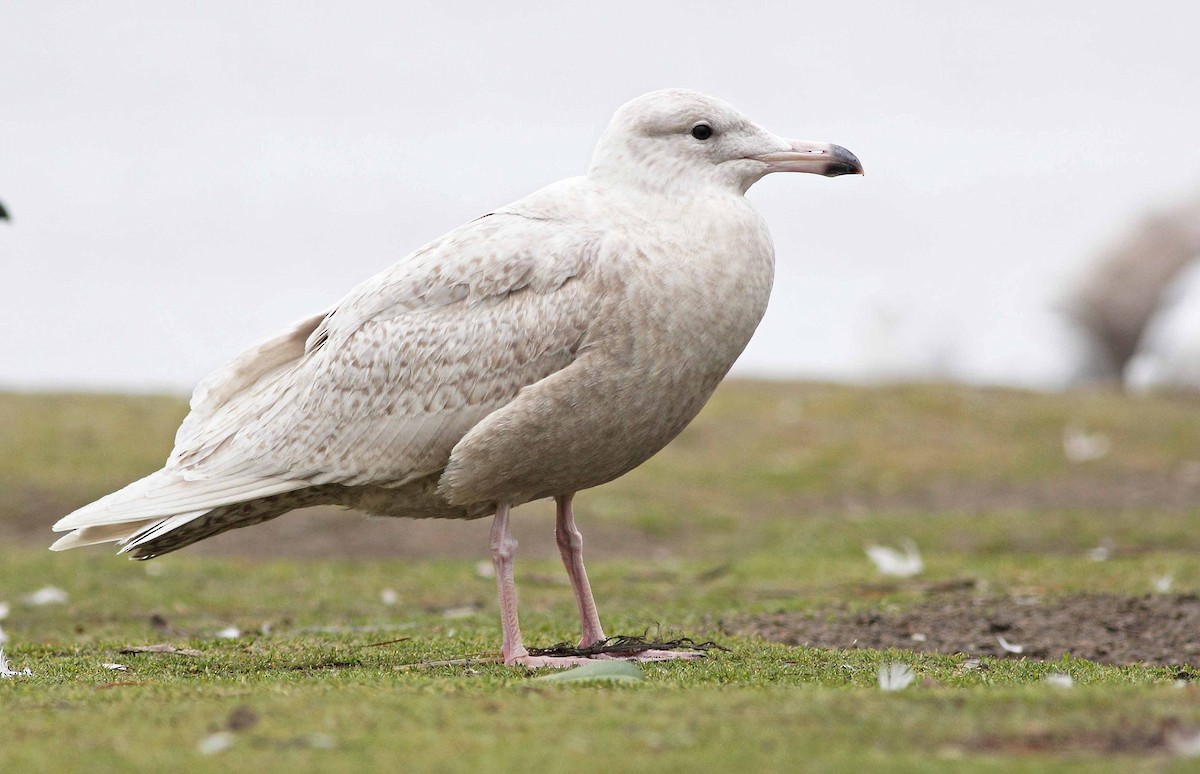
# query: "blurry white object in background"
1130,295
889,561
1169,355
1081,446
47,595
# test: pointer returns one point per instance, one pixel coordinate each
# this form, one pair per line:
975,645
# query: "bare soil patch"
1166,737
1161,629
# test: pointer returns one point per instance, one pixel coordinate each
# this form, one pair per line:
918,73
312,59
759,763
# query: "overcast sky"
185,178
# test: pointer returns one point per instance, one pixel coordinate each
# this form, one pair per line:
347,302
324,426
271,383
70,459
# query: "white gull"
547,347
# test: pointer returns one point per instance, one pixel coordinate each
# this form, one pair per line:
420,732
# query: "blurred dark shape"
1114,306
3,212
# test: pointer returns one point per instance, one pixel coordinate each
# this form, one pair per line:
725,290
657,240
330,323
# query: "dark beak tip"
844,163
839,169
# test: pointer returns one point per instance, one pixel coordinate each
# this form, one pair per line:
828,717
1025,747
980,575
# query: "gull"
544,348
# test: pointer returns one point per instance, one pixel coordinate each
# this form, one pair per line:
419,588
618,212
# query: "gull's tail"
164,511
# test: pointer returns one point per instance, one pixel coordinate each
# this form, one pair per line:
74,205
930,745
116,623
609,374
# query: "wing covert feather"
387,382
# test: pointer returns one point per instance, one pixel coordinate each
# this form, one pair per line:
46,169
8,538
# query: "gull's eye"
702,131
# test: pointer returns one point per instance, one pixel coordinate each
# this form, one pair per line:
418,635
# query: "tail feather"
145,537
156,529
167,494
173,533
106,533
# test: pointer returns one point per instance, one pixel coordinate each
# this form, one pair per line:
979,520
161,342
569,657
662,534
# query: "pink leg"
570,546
504,547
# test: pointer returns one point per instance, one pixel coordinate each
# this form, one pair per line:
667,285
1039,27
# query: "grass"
763,506
315,679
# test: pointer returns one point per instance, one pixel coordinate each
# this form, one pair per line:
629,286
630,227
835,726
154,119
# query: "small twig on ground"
714,573
469,661
385,642
625,646
162,647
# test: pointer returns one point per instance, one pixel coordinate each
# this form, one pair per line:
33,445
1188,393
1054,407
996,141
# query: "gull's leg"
570,546
504,547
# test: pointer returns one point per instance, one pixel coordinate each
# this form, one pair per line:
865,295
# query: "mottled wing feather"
388,382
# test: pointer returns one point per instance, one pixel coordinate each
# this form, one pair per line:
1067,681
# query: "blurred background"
183,180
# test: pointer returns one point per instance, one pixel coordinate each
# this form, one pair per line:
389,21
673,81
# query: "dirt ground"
1161,629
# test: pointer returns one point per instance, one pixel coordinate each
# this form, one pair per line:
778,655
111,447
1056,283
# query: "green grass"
313,678
764,505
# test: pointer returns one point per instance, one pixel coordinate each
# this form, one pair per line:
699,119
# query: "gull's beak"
821,158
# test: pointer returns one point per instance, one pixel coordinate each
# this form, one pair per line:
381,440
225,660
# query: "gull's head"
677,140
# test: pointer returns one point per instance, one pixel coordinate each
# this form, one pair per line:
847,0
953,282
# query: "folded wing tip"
67,541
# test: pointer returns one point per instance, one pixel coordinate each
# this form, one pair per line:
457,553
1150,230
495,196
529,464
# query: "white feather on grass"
890,561
1102,552
1081,446
215,743
1010,647
1184,742
895,677
1058,680
47,595
6,671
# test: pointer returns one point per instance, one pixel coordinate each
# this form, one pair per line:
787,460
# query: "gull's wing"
380,389
390,379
